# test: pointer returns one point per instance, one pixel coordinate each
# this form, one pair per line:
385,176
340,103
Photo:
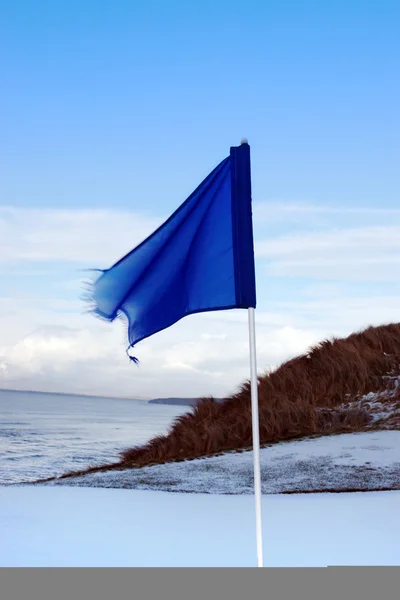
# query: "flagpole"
254,409
256,434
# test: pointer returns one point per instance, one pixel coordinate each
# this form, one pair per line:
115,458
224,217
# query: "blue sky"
110,115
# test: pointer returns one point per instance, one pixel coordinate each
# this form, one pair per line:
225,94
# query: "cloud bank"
320,272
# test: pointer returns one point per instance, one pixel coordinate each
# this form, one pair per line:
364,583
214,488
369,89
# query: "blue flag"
201,259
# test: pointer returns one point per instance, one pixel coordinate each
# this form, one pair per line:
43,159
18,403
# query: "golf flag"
201,259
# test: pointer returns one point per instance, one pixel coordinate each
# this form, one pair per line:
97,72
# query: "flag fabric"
201,259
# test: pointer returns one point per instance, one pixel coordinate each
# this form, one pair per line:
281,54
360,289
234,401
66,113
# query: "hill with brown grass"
340,385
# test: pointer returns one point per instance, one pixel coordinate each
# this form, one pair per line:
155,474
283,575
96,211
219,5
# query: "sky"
111,113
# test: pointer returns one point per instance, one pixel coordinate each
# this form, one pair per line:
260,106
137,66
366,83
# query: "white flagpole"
256,434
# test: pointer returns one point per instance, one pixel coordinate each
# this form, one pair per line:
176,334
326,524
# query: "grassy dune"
340,385
323,391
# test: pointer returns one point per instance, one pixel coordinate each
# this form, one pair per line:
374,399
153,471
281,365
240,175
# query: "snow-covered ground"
349,461
62,527
76,522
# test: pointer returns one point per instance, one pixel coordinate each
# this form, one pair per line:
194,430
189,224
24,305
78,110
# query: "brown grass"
313,393
320,392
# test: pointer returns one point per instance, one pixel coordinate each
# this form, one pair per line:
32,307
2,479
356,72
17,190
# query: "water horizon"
45,434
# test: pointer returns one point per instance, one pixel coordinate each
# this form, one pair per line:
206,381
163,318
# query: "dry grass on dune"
338,386
323,391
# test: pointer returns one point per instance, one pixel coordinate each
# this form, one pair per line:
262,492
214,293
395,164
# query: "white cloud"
292,212
358,241
369,253
201,354
95,237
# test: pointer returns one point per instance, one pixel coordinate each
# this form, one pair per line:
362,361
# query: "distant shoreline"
175,401
74,394
178,401
167,401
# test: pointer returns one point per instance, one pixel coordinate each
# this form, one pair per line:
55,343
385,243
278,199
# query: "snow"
84,527
87,522
382,407
357,460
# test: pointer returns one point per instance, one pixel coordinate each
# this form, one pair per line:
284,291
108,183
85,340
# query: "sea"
44,435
